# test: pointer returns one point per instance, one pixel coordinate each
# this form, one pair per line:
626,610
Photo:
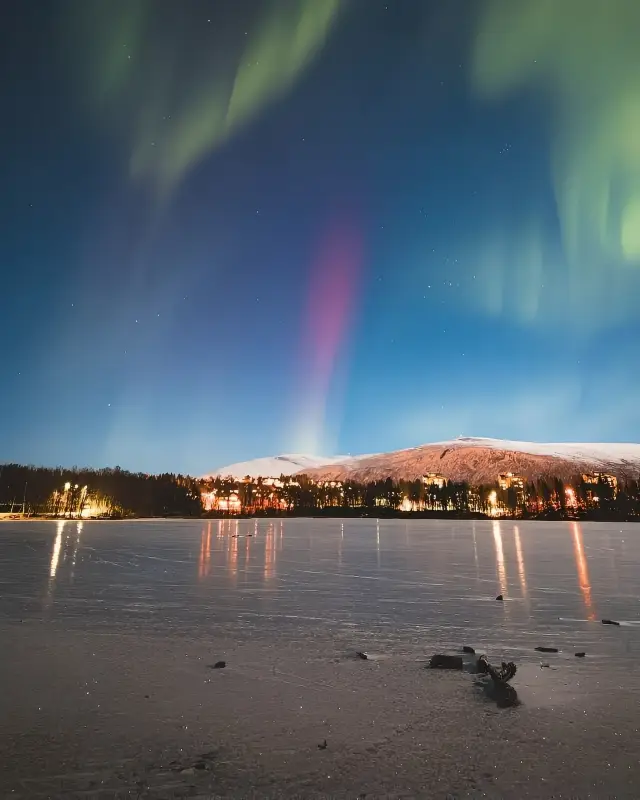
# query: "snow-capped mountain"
479,461
274,466
475,460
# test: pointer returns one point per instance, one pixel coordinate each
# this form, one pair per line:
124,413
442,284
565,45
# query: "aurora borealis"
179,96
583,60
234,228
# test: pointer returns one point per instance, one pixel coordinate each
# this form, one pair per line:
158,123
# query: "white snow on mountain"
274,466
609,453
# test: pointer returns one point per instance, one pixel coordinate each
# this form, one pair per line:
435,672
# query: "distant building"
434,479
212,501
595,478
475,502
507,480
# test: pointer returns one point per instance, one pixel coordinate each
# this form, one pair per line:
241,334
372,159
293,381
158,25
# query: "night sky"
235,228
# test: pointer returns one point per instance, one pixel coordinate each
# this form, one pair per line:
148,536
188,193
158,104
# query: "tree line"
117,493
596,497
112,492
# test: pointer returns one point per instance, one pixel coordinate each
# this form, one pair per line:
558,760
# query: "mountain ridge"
479,460
473,459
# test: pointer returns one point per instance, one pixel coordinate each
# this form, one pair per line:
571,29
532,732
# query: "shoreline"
400,515
258,727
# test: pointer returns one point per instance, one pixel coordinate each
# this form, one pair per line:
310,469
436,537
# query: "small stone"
467,649
440,661
219,665
547,649
580,655
363,656
188,771
323,746
499,597
610,622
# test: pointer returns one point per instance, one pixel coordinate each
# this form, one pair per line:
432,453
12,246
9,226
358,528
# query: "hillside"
481,460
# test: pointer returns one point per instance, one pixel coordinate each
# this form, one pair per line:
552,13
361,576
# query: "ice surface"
109,629
382,584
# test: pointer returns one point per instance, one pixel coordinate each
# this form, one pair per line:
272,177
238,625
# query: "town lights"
493,502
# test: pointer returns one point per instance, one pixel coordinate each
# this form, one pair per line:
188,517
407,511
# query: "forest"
115,493
110,493
598,497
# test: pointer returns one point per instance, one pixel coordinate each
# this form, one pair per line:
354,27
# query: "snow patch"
275,466
609,453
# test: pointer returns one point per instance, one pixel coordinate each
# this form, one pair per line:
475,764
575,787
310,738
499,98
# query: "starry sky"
235,228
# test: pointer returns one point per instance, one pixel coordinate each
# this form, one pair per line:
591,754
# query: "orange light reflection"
501,570
522,575
204,562
269,553
233,551
583,569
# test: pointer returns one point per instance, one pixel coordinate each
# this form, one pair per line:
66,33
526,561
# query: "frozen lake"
109,631
384,584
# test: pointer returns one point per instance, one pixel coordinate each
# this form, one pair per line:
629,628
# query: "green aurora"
584,56
139,75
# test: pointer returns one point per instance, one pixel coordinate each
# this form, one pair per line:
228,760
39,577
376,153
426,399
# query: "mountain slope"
482,460
274,466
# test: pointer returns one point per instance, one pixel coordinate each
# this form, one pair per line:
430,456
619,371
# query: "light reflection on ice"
204,564
233,552
269,553
475,549
583,569
55,553
501,570
522,575
76,544
384,580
